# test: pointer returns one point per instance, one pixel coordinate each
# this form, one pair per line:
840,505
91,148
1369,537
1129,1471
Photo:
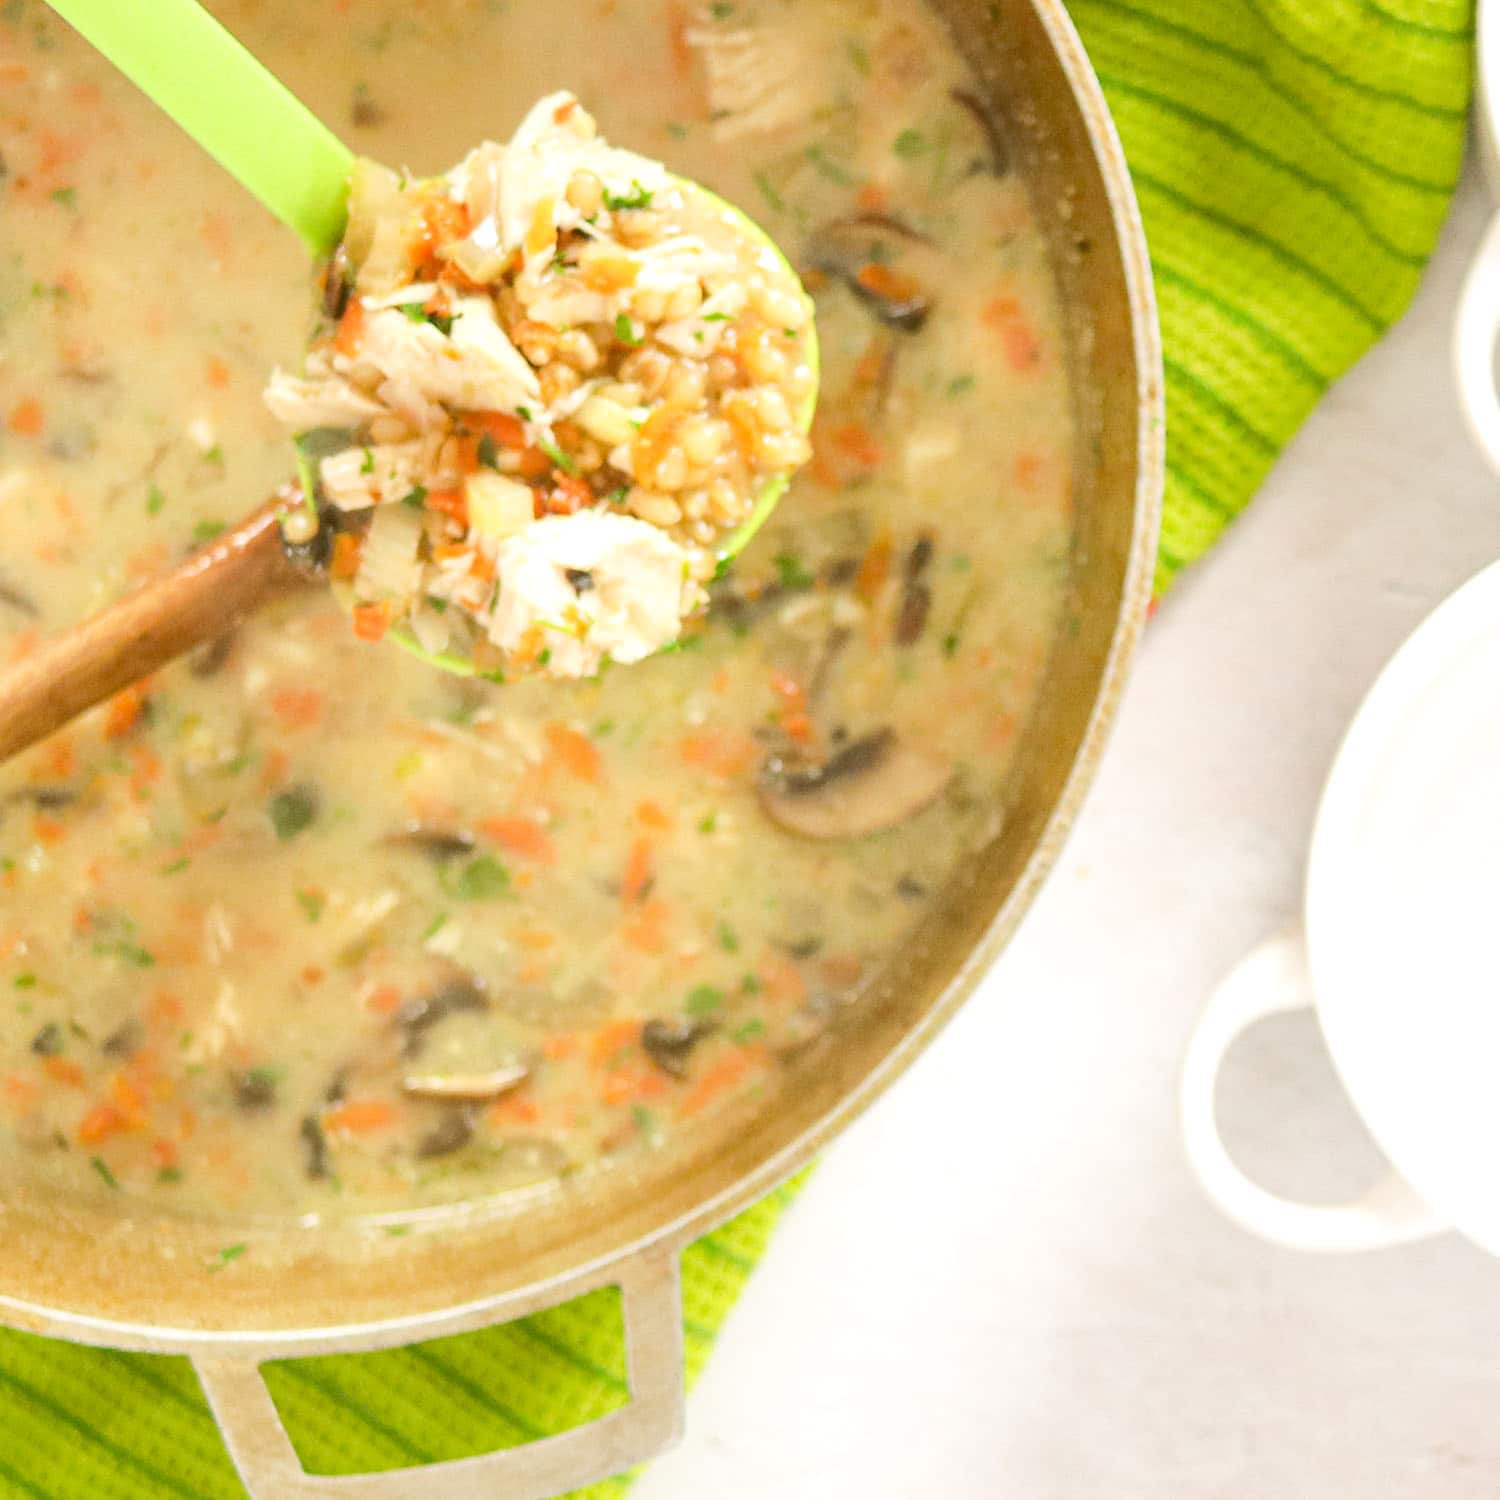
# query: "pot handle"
1475,331
649,1424
1274,978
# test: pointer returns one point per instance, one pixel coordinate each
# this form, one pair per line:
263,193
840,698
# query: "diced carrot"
21,1093
371,621
165,1008
781,980
648,932
506,430
449,503
538,939
679,33
218,374
351,328
609,273
61,760
1008,318
724,753
359,1117
346,551
842,970
555,1048
217,235
611,1039
124,712
48,830
575,751
858,442
653,815
569,494
63,1070
873,198
298,708
625,1086
515,1108
874,568
542,234
1029,468
718,1080
883,281
164,1153
25,417
274,770
383,1000
127,1099
101,1122
312,974
636,880
520,836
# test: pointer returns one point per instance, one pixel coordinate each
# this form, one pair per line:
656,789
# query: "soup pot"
112,1274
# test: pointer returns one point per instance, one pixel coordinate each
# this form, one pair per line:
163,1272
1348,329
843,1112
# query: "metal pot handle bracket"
650,1423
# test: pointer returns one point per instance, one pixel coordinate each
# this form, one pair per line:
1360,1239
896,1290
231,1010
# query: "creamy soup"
251,910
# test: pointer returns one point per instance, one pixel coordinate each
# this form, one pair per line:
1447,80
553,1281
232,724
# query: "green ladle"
257,129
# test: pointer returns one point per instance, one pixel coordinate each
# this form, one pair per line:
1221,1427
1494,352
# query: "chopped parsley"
206,531
25,981
417,312
292,811
715,317
488,453
829,169
312,904
227,1255
619,496
909,143
637,197
368,466
791,571
101,1166
625,330
950,646
481,879
154,501
769,193
751,1031
704,1000
859,55
177,866
415,497
677,130
961,385
728,939
67,196
549,446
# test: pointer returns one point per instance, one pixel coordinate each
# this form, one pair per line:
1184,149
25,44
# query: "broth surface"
238,907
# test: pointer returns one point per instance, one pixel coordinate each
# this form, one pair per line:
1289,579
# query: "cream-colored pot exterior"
117,1278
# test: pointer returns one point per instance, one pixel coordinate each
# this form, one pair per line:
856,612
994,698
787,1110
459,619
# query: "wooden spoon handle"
207,593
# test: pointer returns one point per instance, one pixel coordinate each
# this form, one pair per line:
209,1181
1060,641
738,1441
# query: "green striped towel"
1294,159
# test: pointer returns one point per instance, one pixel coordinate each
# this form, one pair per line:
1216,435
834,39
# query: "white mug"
1398,953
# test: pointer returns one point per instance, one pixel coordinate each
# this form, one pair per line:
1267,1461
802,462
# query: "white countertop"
1003,1282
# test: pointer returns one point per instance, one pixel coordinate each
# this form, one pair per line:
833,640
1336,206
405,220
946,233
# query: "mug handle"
1475,331
1271,979
650,1423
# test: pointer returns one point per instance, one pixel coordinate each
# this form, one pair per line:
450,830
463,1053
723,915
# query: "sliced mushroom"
978,111
315,1143
871,784
438,844
888,265
418,1017
452,1133
669,1043
466,1086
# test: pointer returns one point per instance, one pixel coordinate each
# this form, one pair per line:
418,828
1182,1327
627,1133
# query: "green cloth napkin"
1294,160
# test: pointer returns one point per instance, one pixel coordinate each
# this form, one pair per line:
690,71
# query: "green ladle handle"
238,112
